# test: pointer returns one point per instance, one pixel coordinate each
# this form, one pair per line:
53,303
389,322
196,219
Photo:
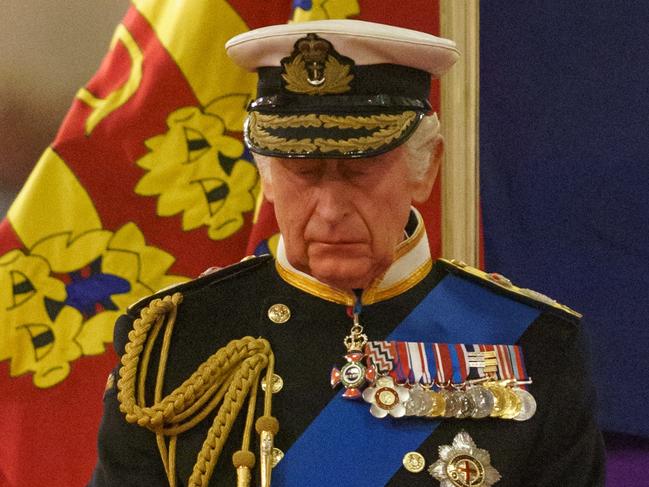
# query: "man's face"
341,219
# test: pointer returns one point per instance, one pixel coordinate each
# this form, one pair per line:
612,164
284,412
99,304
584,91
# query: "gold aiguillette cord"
224,380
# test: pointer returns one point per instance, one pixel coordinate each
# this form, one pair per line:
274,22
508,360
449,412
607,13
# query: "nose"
333,201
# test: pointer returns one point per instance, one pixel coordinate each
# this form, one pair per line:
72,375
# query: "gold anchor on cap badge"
314,51
315,68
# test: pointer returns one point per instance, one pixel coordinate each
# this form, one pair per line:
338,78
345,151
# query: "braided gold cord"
226,378
234,398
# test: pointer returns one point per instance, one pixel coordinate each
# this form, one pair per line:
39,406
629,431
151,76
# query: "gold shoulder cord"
223,380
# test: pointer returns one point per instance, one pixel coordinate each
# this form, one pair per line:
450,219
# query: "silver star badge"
463,464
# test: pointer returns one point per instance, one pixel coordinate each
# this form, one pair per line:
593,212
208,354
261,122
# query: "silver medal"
465,404
451,401
483,401
528,405
419,403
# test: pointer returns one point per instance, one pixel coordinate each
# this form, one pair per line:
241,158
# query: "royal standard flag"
147,184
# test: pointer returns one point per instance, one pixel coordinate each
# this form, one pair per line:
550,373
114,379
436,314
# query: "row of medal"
490,398
437,380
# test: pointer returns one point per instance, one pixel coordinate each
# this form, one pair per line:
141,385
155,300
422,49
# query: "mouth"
336,240
343,247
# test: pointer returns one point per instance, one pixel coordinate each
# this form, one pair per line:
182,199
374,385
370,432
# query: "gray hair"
263,164
418,149
421,145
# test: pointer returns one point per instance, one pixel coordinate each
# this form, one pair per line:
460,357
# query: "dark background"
564,173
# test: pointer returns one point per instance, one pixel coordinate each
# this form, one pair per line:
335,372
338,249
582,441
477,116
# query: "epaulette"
503,285
207,278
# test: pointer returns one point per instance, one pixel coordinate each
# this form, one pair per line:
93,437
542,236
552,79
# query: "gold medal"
514,405
500,398
438,405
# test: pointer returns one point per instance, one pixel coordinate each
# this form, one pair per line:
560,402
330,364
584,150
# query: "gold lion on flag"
197,169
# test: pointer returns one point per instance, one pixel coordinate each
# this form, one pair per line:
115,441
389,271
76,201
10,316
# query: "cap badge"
315,68
463,464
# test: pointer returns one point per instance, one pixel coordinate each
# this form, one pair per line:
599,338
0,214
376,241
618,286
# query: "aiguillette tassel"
267,427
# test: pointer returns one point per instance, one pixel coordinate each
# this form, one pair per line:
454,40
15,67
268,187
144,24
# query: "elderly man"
433,362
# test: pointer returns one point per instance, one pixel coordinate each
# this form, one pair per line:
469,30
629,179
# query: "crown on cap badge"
315,68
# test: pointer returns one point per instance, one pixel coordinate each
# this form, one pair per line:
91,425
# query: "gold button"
414,462
277,456
276,384
279,313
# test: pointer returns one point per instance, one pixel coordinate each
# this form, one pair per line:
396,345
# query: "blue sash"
346,445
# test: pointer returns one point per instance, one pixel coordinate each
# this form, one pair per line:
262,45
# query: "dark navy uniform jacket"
559,446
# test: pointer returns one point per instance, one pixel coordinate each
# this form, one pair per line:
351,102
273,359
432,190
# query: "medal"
500,398
354,374
451,402
465,404
528,405
483,401
386,397
437,379
514,405
438,405
419,402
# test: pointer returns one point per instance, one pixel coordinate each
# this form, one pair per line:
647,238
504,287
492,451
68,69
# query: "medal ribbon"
459,361
345,444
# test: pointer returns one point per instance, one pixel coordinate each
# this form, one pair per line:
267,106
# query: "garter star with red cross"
463,464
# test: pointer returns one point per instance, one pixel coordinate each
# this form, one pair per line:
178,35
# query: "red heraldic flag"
147,184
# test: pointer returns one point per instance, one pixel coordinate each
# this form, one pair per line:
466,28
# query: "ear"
423,187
